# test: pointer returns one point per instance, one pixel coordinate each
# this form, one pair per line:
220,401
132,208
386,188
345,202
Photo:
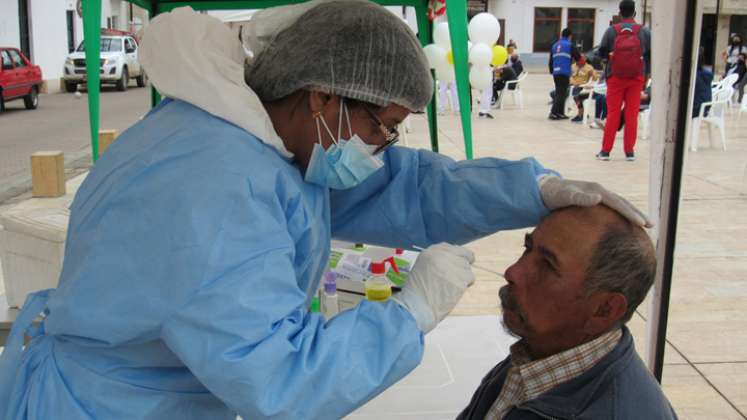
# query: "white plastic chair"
645,117
726,81
518,96
716,114
589,103
742,107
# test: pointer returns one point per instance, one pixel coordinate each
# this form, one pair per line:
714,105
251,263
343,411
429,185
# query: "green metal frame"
457,17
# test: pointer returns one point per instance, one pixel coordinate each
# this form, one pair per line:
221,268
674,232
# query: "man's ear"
607,309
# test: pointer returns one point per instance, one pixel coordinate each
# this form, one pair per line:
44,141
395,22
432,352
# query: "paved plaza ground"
705,375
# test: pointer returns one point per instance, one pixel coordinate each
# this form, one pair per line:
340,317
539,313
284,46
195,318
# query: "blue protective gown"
192,253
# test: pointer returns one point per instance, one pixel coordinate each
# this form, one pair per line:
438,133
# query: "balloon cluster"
483,31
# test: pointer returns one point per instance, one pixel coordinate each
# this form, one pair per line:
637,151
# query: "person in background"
569,305
562,54
740,69
506,73
583,77
516,63
731,54
703,92
600,104
486,99
503,74
627,48
446,91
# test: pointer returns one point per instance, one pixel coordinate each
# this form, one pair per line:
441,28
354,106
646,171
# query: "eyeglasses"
391,135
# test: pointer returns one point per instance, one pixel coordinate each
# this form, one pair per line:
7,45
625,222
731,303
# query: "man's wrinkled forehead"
574,231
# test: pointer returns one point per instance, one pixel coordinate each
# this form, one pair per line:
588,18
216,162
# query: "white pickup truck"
118,64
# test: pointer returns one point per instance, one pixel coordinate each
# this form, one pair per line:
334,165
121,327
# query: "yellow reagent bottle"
377,287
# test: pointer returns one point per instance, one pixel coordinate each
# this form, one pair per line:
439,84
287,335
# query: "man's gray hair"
624,261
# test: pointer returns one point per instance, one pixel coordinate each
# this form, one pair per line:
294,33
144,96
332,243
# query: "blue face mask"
346,163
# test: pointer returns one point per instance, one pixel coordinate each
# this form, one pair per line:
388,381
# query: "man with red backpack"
627,48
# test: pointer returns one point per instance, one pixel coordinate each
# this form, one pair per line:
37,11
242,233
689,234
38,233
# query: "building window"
476,6
581,23
502,36
708,39
547,21
738,25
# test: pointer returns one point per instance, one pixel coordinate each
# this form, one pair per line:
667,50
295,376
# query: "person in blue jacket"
703,92
196,242
562,54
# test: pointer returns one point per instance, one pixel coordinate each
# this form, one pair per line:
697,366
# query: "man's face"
544,299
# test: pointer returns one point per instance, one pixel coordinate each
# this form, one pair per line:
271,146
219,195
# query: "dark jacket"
703,79
608,45
562,53
517,66
619,387
739,69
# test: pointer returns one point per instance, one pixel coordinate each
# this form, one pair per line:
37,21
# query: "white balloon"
445,74
443,68
481,77
436,55
484,28
480,55
441,36
469,45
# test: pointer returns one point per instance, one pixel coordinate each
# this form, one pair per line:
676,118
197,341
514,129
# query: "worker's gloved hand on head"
436,283
558,193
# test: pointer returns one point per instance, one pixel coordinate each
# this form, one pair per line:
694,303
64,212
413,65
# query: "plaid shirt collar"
539,376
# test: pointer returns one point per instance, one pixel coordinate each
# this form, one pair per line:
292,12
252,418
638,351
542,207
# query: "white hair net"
352,48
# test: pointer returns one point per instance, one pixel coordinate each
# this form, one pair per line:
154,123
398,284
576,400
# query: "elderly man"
581,276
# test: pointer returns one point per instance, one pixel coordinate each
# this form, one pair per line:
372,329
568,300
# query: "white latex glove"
436,283
558,193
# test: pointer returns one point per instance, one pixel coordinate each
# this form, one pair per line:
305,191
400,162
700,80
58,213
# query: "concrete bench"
32,243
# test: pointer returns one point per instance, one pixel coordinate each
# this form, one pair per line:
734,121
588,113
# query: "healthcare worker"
197,240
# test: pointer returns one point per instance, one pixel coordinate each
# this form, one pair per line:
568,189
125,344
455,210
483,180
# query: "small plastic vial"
330,303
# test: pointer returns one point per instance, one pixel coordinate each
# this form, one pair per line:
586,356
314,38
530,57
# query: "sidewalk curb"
18,184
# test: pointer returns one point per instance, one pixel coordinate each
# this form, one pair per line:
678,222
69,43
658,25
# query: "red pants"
619,91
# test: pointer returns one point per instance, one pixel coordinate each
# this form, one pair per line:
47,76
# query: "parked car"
117,64
19,78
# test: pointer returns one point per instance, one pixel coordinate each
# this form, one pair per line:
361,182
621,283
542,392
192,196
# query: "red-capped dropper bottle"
377,287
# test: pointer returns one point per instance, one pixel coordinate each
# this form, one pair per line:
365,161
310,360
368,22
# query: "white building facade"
535,24
47,30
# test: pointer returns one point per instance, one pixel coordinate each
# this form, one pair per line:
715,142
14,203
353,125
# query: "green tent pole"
456,11
92,34
425,32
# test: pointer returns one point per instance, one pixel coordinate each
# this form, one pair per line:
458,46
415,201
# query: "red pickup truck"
19,78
